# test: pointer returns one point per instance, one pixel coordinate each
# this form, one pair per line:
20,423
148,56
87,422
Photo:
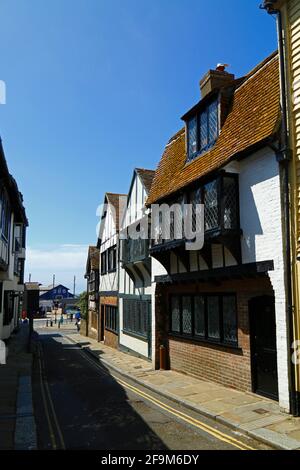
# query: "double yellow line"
49,406
221,436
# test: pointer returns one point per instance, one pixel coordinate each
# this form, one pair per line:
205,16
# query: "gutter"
284,157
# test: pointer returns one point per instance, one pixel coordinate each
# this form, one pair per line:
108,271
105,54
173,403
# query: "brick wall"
224,365
93,325
111,339
82,330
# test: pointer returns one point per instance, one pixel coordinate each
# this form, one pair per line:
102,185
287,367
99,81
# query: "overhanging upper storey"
134,233
219,198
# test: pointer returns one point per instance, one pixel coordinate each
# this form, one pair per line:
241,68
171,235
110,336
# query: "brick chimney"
215,79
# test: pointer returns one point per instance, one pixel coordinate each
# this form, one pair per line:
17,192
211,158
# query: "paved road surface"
79,405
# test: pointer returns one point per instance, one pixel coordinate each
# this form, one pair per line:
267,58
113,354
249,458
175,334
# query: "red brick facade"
225,365
93,325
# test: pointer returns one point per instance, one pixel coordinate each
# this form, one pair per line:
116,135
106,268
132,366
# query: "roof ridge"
116,194
144,169
258,69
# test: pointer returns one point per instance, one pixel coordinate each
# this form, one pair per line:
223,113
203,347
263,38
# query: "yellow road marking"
45,383
184,417
52,436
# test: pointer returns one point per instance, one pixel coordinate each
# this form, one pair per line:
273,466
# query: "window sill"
135,335
200,154
211,342
111,330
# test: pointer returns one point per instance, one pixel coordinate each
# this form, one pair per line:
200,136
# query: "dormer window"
202,130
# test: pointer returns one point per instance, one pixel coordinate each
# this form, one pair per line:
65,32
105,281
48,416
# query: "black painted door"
263,346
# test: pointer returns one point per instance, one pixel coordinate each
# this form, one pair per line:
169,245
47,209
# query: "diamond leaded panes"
213,122
192,136
230,203
187,315
211,205
199,312
213,317
229,319
195,199
203,131
175,312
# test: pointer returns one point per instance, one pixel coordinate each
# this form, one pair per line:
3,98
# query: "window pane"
192,138
187,315
230,203
175,312
211,205
203,130
199,316
212,122
229,319
213,317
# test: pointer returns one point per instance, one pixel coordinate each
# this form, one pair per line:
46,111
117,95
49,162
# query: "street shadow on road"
93,410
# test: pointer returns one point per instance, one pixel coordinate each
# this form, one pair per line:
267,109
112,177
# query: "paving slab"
262,422
280,441
246,412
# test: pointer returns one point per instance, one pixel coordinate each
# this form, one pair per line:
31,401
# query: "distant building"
92,277
56,293
135,287
108,243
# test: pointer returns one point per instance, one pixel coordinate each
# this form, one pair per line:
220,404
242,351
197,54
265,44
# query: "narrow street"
80,404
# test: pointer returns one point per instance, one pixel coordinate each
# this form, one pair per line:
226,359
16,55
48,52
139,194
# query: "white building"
221,311
135,287
108,242
13,223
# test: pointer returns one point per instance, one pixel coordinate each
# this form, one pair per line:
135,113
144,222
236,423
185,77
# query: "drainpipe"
284,157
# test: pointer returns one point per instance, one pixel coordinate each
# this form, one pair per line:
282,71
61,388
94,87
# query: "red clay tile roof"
93,258
146,177
254,117
118,201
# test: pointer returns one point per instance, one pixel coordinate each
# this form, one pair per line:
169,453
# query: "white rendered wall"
261,222
133,213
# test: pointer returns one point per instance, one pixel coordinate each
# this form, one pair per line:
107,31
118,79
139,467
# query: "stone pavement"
17,426
256,416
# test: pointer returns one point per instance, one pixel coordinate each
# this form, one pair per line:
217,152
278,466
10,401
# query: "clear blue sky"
97,87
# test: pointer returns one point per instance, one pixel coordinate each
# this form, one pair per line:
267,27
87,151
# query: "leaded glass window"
213,126
192,138
175,312
187,315
213,317
230,203
211,205
229,319
199,312
195,199
205,317
203,131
